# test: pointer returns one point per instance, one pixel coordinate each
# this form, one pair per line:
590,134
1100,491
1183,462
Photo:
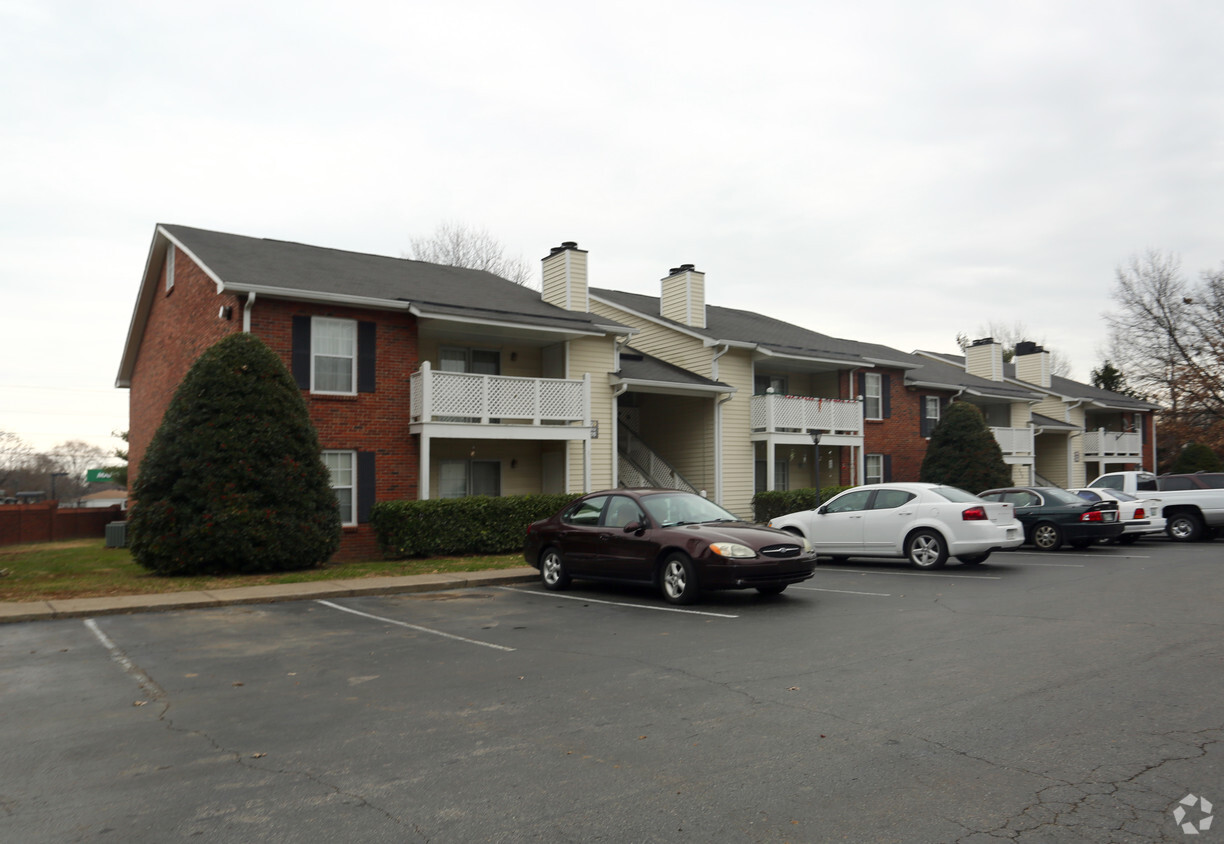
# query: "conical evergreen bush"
234,481
964,453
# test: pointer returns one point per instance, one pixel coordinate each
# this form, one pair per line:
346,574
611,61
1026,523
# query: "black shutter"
885,397
366,358
301,351
365,485
887,468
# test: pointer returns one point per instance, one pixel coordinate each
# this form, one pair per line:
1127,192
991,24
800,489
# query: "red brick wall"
899,435
376,421
182,324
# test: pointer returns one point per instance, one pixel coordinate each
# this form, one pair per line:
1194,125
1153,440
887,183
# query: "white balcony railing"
498,399
789,414
1014,441
1102,443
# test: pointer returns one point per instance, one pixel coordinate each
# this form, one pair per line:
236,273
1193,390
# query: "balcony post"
426,413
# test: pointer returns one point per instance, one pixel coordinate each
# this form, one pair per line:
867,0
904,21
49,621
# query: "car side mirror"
822,509
634,527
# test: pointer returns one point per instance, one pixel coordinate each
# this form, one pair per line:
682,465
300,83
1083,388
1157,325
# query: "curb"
272,593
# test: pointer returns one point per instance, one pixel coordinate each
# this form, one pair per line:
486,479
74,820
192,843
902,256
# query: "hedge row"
476,524
766,505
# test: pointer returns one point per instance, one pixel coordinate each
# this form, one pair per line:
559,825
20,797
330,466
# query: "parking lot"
1058,697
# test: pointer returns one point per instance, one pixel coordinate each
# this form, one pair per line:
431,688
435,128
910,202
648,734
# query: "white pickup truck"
1190,514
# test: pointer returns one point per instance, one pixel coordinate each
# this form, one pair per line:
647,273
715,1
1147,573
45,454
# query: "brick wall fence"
20,523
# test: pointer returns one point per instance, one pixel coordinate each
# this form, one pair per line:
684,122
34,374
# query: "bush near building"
964,453
477,524
233,481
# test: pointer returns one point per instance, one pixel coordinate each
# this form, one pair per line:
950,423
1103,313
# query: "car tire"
839,558
1080,544
679,579
1184,527
772,589
974,559
1128,538
553,573
1047,537
926,549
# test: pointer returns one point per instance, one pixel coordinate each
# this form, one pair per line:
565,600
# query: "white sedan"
923,523
1141,516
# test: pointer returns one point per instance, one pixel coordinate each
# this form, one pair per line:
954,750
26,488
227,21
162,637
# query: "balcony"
1114,444
774,414
469,399
1015,442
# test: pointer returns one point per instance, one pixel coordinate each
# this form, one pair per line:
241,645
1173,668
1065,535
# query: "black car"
1052,516
679,542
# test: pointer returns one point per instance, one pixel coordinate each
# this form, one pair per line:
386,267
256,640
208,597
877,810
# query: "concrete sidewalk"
82,607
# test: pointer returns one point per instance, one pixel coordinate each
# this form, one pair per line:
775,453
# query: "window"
333,352
874,471
169,267
479,361
930,414
342,466
459,478
873,403
891,499
623,511
781,475
850,502
586,512
762,384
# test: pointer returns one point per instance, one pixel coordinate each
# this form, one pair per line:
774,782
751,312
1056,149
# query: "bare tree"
461,245
1009,336
1168,335
15,457
75,458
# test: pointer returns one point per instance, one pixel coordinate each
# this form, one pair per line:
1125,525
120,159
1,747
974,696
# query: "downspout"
616,394
246,312
1072,481
718,437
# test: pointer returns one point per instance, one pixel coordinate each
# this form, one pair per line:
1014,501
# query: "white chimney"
984,358
1033,364
683,296
565,278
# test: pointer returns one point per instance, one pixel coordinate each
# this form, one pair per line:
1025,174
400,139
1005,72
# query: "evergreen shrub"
771,503
477,524
234,481
964,453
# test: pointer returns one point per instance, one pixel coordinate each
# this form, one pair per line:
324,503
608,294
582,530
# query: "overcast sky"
893,172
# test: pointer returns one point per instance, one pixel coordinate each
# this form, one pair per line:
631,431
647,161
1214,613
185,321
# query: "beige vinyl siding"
516,359
521,478
681,427
1052,459
661,341
594,355
1021,414
564,280
683,299
735,369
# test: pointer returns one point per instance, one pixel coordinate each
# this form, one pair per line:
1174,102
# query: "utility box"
116,534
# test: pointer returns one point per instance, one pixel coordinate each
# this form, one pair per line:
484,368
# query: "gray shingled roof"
1066,387
772,335
940,373
244,263
642,368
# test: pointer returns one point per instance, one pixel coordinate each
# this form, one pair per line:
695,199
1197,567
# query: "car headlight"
731,549
808,548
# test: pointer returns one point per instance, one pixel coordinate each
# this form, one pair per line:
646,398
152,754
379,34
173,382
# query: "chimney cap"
565,245
683,268
985,341
1027,347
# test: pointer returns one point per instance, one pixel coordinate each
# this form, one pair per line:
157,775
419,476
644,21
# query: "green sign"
99,476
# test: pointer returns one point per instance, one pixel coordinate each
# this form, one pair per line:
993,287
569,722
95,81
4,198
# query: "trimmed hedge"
768,504
477,524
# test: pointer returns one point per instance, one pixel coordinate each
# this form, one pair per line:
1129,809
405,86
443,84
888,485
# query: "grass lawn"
86,568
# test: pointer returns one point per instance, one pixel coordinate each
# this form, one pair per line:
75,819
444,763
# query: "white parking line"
144,680
1052,565
843,591
414,627
614,603
911,573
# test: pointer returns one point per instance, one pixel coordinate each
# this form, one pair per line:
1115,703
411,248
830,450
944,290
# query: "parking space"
1038,697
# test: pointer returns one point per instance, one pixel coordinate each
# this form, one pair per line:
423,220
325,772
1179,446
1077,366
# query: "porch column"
423,468
769,464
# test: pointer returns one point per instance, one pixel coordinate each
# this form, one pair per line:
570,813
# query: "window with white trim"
342,465
873,405
930,414
333,355
873,469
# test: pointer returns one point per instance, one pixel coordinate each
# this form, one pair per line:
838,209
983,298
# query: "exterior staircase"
639,465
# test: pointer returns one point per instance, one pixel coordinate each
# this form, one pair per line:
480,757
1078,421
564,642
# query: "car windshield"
684,508
1122,496
1054,495
955,494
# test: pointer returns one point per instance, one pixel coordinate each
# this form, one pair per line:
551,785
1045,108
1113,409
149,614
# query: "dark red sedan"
680,542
